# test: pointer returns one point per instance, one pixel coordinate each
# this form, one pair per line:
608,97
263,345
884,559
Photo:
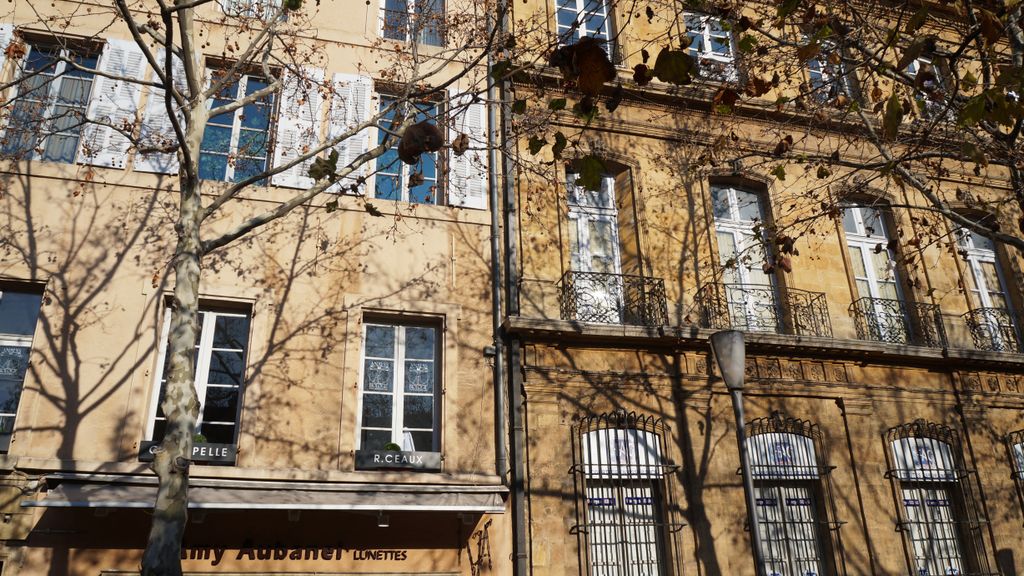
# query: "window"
624,514
1015,445
222,342
262,9
19,310
235,145
50,110
792,491
749,290
991,320
582,18
594,250
711,46
874,272
400,390
422,20
397,180
938,514
828,77
930,86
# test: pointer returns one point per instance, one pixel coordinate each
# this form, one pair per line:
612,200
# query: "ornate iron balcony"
898,322
612,299
761,308
993,329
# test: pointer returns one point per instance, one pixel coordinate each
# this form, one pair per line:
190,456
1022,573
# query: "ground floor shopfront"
245,528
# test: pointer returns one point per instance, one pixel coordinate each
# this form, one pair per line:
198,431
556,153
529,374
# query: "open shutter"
298,126
6,33
114,102
467,174
351,106
157,129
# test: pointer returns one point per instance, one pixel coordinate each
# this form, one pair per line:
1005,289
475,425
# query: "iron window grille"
934,493
1015,446
796,508
625,510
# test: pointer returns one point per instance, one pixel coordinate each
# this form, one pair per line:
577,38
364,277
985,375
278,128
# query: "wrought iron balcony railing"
898,322
761,308
993,329
612,299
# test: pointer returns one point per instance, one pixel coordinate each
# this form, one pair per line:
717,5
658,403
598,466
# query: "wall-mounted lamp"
383,520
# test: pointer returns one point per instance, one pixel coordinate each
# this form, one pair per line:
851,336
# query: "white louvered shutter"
157,129
298,126
6,33
467,174
114,102
352,104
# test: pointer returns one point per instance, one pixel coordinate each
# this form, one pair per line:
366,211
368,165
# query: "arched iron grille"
1015,446
625,508
934,492
793,491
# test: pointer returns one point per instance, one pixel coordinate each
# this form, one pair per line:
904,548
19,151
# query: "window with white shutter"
157,137
351,105
49,111
6,33
298,126
113,105
467,173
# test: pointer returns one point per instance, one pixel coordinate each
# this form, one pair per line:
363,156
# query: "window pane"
221,404
419,412
720,203
749,205
226,367
231,332
423,441
378,375
218,433
213,166
419,377
375,439
419,343
380,341
849,221
18,312
377,411
396,19
217,139
60,148
13,365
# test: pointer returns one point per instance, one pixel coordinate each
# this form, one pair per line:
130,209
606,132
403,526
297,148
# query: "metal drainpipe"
500,434
520,552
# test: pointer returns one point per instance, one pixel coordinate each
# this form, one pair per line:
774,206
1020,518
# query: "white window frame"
236,129
52,91
262,9
16,341
572,33
745,240
706,58
202,367
977,256
398,392
833,80
412,24
407,170
863,243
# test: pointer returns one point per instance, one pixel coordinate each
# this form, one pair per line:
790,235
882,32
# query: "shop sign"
279,552
201,452
401,460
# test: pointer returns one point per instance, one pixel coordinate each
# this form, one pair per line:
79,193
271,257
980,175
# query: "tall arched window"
795,508
750,291
939,516
624,507
990,319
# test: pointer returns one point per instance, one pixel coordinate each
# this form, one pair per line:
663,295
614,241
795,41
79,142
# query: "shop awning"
386,497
